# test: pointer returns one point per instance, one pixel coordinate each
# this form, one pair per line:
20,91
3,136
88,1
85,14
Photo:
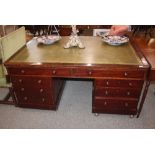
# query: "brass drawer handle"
54,72
126,104
128,93
105,103
43,100
22,89
20,80
130,84
25,98
89,72
41,90
107,83
22,71
125,74
39,81
106,92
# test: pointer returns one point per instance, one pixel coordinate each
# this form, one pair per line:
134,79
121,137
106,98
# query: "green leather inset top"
95,52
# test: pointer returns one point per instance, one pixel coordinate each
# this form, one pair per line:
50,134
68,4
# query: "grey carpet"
74,112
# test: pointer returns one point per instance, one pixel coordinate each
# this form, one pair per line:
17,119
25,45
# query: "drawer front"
113,103
119,83
116,73
33,98
77,71
91,72
32,90
117,92
61,72
129,111
29,71
29,81
71,72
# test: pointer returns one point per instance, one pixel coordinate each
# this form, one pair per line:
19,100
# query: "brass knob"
39,81
107,83
130,84
105,103
43,100
22,71
106,92
128,93
90,72
22,89
125,74
25,98
54,71
20,80
41,90
126,104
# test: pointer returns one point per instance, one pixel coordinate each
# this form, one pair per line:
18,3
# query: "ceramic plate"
48,40
115,40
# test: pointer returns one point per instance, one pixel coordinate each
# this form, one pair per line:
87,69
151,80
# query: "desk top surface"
95,52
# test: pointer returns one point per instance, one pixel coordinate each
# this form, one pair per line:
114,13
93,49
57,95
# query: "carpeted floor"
74,112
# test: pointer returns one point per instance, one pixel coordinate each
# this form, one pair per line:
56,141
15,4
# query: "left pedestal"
35,88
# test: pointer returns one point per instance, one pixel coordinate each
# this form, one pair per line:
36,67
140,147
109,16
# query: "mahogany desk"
119,75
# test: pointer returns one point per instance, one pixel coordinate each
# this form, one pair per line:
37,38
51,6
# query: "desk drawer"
119,83
61,72
117,92
25,97
95,72
29,71
115,106
118,73
115,103
29,81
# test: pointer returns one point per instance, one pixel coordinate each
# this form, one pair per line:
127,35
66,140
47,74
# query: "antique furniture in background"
145,29
6,29
64,30
10,44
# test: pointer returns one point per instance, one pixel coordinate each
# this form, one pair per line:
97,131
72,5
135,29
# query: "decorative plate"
115,40
48,40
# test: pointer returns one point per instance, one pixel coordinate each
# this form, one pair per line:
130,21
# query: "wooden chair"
143,29
9,45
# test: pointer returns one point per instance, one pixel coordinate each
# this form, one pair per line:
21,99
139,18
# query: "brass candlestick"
74,40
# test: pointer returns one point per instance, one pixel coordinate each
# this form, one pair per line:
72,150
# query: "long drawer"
27,97
117,92
85,72
114,106
28,82
29,71
119,83
115,103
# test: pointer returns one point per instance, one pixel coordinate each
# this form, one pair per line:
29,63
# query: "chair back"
11,43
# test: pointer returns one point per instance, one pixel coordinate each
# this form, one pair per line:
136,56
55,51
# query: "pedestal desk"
119,74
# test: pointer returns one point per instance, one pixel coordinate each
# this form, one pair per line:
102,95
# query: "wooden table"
119,75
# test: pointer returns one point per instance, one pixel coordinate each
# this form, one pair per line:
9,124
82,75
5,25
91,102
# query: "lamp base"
74,41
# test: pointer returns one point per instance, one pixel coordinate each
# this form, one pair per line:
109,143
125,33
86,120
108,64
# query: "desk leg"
143,98
58,86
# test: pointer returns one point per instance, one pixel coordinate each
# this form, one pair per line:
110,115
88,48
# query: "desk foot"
96,114
131,116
